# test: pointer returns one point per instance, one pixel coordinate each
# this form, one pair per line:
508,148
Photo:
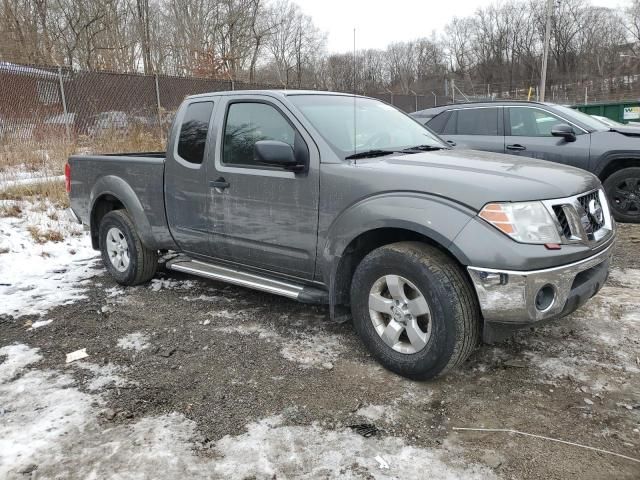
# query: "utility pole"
545,55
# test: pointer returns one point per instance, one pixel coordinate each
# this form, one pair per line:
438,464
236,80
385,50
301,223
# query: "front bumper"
509,297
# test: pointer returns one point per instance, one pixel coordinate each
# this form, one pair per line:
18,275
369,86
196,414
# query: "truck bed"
132,177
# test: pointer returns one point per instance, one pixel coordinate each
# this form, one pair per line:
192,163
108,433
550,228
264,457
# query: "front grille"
593,222
562,219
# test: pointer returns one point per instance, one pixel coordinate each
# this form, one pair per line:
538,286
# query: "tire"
142,261
454,313
623,192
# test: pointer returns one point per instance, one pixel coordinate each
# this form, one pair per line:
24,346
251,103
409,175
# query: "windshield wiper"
369,154
422,148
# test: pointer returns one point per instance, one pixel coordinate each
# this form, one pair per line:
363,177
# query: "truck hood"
476,178
627,130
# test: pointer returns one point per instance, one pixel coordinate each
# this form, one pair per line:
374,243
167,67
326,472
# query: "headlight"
526,222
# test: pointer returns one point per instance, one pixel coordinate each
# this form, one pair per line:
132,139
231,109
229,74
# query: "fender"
434,217
605,163
118,188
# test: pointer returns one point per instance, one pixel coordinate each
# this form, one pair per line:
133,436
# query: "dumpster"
622,111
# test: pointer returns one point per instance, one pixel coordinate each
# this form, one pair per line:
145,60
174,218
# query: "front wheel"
623,192
128,261
414,309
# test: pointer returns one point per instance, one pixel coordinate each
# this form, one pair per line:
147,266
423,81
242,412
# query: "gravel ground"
188,378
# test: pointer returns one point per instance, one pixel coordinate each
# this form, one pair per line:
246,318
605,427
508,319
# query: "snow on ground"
158,284
103,375
22,175
136,341
30,180
376,413
601,351
37,275
40,323
57,432
313,350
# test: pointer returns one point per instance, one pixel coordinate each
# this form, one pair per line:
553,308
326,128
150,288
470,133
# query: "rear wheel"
623,192
414,309
128,261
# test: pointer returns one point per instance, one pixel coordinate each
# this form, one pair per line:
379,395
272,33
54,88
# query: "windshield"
578,116
378,126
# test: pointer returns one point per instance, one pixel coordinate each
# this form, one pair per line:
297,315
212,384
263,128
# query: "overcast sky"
379,23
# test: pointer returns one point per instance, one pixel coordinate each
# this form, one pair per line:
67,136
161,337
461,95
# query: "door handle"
219,183
451,142
516,146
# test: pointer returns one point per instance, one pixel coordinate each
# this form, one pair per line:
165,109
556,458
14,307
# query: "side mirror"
277,154
565,131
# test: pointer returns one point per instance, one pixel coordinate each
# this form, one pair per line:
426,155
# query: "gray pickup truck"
344,200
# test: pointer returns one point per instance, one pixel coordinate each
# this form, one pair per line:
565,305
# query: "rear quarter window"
193,132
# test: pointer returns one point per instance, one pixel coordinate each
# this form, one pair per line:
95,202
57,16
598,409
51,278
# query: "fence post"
64,105
390,94
416,98
158,107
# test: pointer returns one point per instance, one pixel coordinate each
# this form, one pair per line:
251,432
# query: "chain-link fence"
40,106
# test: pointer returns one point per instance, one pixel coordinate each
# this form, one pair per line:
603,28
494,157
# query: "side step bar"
302,293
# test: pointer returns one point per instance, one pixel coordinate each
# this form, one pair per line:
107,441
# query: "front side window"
193,132
532,122
249,122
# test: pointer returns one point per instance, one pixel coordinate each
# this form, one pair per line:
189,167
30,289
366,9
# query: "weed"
12,210
52,190
44,236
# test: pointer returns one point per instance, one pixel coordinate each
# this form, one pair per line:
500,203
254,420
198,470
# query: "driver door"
264,217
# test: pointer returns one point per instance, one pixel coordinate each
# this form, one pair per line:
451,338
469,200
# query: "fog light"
545,297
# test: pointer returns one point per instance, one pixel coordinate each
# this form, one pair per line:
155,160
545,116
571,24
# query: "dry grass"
46,156
134,140
50,155
42,236
52,190
12,210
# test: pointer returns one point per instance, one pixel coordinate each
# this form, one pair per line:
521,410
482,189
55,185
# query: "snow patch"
58,431
314,452
312,350
376,413
249,329
158,284
37,276
103,375
40,323
134,341
17,358
114,292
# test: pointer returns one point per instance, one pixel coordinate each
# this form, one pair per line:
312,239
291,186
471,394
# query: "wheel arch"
113,193
617,162
366,242
383,220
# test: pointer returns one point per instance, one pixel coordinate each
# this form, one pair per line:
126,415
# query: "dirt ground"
188,378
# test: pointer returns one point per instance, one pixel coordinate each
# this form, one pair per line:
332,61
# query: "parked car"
109,122
341,200
607,121
549,132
